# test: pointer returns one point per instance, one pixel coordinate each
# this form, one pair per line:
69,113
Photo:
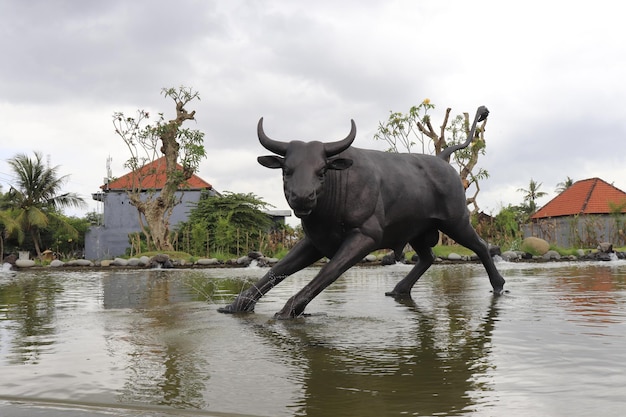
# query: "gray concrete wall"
576,231
120,219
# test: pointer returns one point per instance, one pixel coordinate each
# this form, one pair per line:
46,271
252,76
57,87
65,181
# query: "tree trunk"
33,235
159,226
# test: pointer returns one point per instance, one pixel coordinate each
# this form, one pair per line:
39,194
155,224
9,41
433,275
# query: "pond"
151,343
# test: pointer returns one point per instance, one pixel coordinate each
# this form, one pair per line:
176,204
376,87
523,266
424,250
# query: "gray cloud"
551,76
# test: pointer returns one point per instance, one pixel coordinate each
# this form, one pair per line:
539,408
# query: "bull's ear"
271,161
339,164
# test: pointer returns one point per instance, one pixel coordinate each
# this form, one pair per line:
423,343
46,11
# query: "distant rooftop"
153,176
590,196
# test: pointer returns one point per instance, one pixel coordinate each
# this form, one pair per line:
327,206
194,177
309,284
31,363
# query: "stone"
133,261
10,259
56,263
605,247
24,263
494,250
454,257
371,258
207,261
161,260
388,259
119,262
551,255
244,260
535,245
510,255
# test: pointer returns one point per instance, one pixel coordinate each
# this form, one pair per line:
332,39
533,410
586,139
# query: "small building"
588,212
120,217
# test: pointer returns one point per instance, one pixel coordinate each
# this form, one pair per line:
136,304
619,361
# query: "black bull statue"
353,201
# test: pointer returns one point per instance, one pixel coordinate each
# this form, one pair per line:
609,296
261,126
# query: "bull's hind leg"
423,248
464,234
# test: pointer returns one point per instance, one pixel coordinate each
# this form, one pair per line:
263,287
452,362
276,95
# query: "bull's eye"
287,173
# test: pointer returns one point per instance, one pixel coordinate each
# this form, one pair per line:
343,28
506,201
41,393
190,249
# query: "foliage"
149,142
66,245
94,218
562,186
503,229
531,195
35,201
403,132
230,223
507,224
443,251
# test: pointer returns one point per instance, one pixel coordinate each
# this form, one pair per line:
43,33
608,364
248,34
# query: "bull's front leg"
299,257
352,250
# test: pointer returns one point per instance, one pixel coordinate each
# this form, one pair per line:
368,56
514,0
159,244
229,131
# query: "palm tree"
531,195
36,199
562,186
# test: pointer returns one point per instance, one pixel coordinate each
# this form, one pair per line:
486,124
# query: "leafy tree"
221,219
531,195
94,218
67,245
562,186
403,132
146,144
36,200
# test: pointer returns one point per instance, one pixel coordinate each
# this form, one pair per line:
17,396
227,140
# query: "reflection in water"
427,363
162,367
149,343
590,294
27,308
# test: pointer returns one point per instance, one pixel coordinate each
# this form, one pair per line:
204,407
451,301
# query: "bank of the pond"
161,261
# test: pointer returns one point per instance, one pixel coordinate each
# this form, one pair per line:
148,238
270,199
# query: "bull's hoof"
398,294
287,315
238,306
229,309
499,291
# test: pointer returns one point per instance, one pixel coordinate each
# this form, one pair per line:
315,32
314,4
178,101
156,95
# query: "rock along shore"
163,261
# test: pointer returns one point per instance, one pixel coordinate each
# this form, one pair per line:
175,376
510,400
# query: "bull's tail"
481,114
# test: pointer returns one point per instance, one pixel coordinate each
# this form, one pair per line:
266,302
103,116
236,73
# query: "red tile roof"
590,196
152,176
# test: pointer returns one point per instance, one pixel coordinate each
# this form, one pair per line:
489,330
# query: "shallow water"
151,343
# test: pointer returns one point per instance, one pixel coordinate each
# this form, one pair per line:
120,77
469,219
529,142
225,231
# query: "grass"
172,254
443,251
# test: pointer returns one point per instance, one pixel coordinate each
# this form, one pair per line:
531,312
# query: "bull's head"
304,166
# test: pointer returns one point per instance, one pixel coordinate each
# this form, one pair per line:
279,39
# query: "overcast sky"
550,72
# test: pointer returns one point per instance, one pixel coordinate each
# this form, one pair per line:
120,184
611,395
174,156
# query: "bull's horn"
279,148
333,148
